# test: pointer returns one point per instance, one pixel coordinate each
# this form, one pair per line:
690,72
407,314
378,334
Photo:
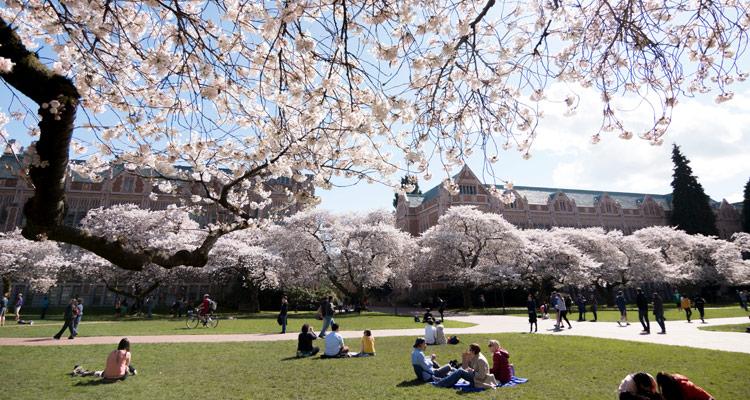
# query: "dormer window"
467,189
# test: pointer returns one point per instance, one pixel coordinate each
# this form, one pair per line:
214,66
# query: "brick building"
118,186
544,208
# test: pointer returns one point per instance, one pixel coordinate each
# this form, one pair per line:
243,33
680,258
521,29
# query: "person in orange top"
679,387
118,364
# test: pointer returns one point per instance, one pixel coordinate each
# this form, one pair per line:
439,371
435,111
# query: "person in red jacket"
501,368
679,387
205,307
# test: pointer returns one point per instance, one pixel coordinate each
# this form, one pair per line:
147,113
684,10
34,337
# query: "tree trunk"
254,299
466,293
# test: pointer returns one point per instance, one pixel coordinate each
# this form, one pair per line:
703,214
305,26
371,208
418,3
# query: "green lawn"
727,328
259,323
609,315
557,368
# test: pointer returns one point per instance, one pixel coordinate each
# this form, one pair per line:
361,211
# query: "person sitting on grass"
427,315
501,368
305,347
335,346
426,368
474,369
638,386
430,332
368,345
679,387
440,334
118,365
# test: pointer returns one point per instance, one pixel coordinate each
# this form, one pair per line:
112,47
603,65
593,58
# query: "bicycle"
194,319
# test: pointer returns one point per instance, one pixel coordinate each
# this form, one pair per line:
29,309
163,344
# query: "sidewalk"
679,333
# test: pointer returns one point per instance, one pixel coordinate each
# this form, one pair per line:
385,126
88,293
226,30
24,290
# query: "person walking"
531,308
581,304
685,305
743,299
79,314
45,307
19,304
481,301
69,319
327,311
563,309
441,308
642,303
659,312
594,306
149,303
700,304
283,313
620,302
3,308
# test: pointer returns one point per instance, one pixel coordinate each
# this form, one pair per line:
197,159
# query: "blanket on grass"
465,386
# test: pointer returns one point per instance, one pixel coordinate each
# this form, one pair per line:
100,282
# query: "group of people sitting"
474,368
334,344
666,386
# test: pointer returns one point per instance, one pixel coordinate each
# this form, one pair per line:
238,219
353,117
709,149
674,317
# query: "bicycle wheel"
192,322
213,322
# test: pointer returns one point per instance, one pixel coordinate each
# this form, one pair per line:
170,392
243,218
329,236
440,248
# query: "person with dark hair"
531,309
659,312
638,386
620,302
594,306
685,305
368,344
305,339
326,311
426,368
117,367
45,307
441,308
581,304
474,369
700,304
562,309
335,346
69,317
430,332
283,313
427,315
642,303
679,387
79,314
19,304
3,308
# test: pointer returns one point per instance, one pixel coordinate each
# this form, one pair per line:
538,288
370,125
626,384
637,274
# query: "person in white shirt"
430,332
335,346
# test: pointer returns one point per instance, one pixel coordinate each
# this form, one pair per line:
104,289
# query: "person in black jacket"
283,313
659,312
700,304
531,308
642,303
70,315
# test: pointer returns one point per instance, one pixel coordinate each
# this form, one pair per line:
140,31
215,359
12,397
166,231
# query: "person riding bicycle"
205,308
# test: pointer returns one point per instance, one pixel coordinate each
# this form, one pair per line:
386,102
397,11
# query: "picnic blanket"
465,386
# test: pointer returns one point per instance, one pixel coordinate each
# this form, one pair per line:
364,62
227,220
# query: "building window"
284,180
467,189
128,184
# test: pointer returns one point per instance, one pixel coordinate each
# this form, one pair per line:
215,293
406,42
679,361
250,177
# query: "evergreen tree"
746,208
691,210
406,179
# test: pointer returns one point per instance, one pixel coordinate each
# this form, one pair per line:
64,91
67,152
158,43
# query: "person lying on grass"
679,387
638,386
118,365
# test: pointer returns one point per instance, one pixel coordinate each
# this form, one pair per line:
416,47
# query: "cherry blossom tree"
548,260
464,247
353,252
138,230
239,256
242,91
36,263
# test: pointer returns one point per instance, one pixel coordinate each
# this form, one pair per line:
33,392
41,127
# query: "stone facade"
544,208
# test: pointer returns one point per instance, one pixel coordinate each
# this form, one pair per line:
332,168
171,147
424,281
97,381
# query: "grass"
557,367
254,323
727,328
609,315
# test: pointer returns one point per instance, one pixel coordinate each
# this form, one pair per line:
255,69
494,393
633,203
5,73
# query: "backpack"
212,305
453,340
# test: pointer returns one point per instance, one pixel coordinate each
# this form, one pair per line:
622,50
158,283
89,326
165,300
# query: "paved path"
679,333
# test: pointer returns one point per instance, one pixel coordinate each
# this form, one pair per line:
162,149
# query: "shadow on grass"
95,382
411,383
